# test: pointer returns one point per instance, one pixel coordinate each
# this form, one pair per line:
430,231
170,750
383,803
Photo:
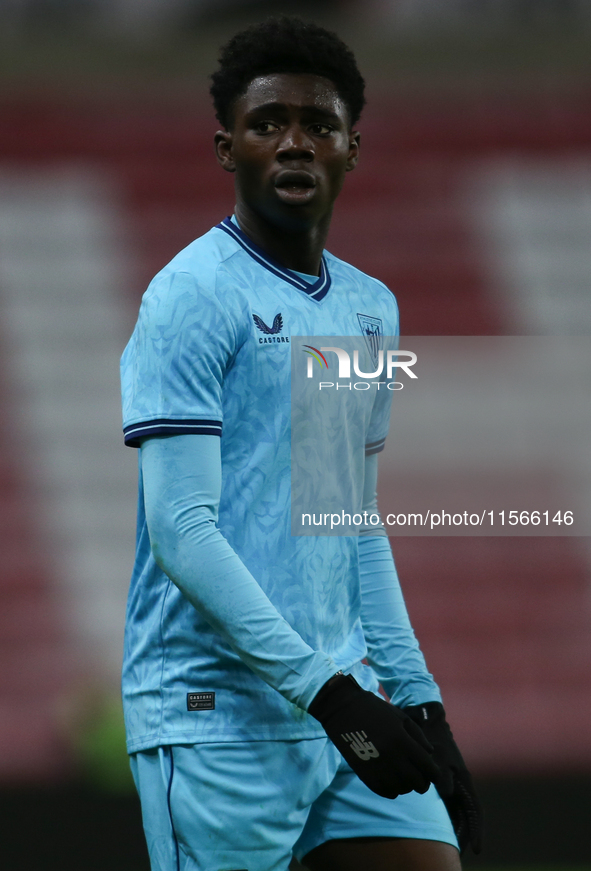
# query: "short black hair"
285,45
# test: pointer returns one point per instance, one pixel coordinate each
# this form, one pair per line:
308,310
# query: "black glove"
383,746
453,782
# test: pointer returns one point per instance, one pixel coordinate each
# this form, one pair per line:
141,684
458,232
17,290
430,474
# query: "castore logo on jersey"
271,334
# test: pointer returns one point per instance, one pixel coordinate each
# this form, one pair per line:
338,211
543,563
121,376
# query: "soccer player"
256,732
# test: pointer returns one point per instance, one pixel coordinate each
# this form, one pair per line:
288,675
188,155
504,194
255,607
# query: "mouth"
295,185
300,179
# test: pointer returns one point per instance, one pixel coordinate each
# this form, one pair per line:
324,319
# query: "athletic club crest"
373,331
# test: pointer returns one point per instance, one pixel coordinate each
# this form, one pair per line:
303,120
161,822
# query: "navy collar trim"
317,289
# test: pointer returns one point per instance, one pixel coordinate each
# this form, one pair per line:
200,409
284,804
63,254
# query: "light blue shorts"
251,806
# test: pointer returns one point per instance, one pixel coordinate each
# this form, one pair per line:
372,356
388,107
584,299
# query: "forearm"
393,650
182,483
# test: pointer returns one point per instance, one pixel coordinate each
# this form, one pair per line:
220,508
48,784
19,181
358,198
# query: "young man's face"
290,146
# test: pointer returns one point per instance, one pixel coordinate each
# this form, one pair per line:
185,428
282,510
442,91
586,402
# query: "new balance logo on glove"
363,748
398,757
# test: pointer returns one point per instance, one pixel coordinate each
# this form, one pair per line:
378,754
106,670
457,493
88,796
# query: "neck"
297,248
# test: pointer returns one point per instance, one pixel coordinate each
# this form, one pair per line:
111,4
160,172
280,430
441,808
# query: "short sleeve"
173,369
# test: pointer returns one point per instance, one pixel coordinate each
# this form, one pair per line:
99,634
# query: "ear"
224,150
354,143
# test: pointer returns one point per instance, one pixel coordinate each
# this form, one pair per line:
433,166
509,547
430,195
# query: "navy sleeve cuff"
375,447
135,432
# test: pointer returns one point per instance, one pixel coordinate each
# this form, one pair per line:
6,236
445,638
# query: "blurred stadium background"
473,204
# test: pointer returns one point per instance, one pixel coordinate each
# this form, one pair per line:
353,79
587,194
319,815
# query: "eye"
321,129
265,127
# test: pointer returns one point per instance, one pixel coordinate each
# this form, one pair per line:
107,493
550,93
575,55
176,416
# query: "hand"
383,746
453,782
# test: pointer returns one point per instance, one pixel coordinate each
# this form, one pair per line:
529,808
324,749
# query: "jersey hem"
148,742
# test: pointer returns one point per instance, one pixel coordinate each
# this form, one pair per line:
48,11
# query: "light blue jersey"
211,355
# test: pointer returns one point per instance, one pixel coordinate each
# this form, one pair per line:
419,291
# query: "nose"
295,144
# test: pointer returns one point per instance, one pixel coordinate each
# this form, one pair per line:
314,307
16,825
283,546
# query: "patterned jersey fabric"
211,354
